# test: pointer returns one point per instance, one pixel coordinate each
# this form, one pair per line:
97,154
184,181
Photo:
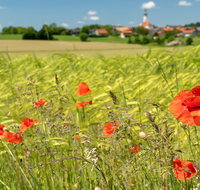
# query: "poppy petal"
185,94
196,90
192,102
83,89
181,112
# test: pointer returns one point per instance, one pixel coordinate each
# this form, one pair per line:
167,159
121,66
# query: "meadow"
70,148
18,48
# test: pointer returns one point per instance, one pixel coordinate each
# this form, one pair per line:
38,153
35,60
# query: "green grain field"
134,90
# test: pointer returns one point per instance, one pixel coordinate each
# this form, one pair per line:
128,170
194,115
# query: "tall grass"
136,91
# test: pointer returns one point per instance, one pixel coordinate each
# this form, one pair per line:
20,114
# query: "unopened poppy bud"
97,188
5,129
142,135
60,107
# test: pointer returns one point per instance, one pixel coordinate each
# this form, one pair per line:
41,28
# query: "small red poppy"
39,103
83,89
109,128
60,107
83,104
25,150
186,106
135,149
26,123
184,166
77,138
13,137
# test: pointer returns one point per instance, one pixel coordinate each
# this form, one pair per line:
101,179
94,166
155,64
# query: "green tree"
66,32
5,30
13,30
130,39
44,33
144,40
85,29
170,39
168,34
21,30
189,41
83,36
141,30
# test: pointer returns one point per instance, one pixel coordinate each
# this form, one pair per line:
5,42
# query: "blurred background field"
18,48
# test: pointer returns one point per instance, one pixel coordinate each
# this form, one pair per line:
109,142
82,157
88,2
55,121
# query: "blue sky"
77,13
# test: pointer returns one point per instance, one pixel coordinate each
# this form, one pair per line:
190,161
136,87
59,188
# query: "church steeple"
145,16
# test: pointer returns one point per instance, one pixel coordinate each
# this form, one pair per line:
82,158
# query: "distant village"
143,34
126,31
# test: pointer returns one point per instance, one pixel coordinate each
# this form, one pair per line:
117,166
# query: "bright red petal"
192,102
185,94
181,112
83,89
196,91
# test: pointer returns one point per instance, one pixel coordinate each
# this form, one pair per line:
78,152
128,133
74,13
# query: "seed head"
142,135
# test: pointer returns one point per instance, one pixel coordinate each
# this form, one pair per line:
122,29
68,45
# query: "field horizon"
18,48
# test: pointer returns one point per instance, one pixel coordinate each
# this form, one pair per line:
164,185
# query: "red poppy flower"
26,123
2,132
13,137
83,89
39,103
184,166
77,138
83,104
109,128
186,106
25,150
135,149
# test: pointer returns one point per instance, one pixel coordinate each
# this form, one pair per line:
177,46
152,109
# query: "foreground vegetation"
68,149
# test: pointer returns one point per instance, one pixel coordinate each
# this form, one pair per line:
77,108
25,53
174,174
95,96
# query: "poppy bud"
60,107
5,129
97,188
142,135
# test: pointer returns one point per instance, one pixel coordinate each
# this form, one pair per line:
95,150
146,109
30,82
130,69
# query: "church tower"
145,16
145,22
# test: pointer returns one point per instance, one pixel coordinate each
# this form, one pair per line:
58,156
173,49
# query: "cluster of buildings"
183,31
127,31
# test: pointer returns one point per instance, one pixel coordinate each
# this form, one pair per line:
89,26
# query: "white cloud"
94,18
80,22
0,26
92,12
184,3
131,22
118,24
3,8
65,24
85,18
148,5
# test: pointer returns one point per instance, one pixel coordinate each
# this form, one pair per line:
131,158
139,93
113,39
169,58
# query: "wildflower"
77,138
142,135
2,132
83,89
65,125
39,103
83,104
25,150
26,123
135,149
186,106
13,137
60,107
184,169
109,128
